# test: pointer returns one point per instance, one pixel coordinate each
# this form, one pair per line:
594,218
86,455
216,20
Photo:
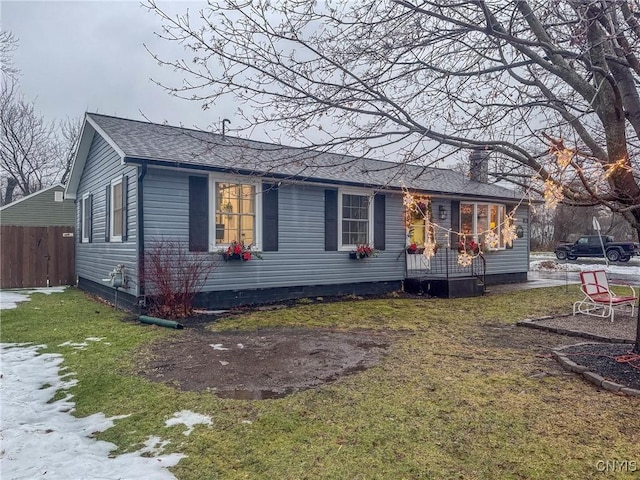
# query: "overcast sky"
89,56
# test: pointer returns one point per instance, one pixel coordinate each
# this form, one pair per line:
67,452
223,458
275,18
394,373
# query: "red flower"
362,251
238,251
471,246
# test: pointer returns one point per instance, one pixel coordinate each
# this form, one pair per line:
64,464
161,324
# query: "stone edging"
531,323
592,377
572,366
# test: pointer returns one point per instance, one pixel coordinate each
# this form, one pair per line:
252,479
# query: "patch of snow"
154,446
240,345
94,339
42,440
223,363
9,299
217,346
554,265
210,312
77,346
81,345
188,418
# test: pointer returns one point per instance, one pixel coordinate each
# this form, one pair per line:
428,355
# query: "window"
86,218
355,219
479,220
236,213
116,210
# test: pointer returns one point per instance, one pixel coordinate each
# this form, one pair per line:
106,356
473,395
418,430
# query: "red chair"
598,299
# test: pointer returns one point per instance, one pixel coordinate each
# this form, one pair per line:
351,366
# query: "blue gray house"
305,211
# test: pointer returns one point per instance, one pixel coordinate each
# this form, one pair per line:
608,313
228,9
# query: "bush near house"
174,276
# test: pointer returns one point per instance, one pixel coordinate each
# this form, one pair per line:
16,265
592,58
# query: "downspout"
141,175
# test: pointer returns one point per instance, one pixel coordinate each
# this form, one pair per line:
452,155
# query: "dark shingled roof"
169,145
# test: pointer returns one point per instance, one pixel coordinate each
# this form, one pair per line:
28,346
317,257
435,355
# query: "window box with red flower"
413,249
238,251
363,251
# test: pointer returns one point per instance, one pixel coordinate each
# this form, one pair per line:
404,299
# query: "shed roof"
39,209
137,142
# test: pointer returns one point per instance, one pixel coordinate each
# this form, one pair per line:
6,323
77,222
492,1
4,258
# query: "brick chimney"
479,164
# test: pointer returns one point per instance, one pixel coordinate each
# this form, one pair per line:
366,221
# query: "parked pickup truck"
589,246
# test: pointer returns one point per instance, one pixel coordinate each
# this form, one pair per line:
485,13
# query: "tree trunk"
8,193
636,347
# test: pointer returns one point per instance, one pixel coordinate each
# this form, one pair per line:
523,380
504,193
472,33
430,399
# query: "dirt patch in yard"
260,364
271,363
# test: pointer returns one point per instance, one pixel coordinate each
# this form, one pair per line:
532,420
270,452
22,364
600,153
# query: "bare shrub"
174,276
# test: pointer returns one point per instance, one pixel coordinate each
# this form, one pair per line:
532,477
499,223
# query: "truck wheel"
561,255
572,257
613,255
625,259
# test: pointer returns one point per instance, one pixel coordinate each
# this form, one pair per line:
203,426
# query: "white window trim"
112,237
345,247
222,178
476,234
85,228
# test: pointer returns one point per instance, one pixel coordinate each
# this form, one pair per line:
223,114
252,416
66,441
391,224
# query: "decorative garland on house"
467,249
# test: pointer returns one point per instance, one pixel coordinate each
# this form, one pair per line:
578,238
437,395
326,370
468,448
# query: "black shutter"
331,220
198,214
81,220
107,213
90,226
269,217
455,224
125,206
379,224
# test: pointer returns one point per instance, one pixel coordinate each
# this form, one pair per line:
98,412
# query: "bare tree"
551,86
67,138
8,43
27,145
33,153
548,85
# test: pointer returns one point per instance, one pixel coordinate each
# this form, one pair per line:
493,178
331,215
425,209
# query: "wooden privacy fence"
36,256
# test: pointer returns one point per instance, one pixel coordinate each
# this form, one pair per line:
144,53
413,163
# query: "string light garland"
468,249
429,248
583,168
618,165
552,194
564,157
509,231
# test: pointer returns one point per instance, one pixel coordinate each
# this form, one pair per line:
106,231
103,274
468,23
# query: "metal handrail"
444,265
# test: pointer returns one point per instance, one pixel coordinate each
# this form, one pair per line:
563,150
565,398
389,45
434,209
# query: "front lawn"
461,393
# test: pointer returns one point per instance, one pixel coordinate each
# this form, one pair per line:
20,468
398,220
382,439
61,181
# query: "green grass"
448,401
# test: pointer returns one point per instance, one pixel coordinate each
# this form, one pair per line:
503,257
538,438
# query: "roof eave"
39,192
89,129
299,178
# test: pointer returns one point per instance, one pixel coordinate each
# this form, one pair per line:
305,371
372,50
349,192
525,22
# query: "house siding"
95,260
301,259
40,210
